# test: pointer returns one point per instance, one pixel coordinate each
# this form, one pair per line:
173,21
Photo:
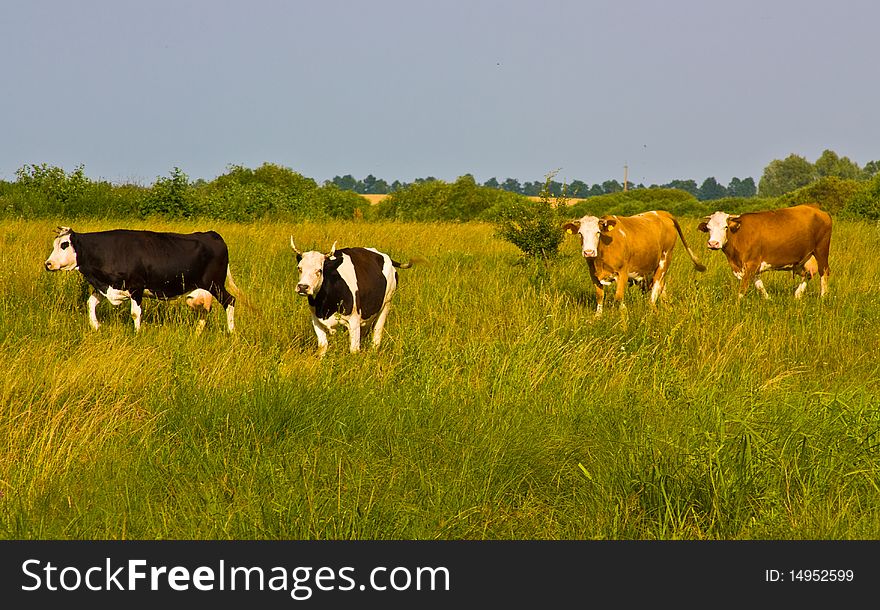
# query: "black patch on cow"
166,264
371,281
335,295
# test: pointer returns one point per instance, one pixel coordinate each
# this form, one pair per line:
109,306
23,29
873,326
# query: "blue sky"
408,89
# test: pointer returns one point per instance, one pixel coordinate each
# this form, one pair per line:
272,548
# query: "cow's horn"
333,248
292,245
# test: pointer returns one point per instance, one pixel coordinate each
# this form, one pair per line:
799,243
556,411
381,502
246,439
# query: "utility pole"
625,168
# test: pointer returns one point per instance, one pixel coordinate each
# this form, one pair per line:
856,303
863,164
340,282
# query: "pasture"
497,408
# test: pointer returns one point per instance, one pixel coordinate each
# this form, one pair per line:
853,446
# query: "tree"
578,189
345,183
871,169
491,183
787,175
611,186
742,188
689,186
710,189
511,185
829,164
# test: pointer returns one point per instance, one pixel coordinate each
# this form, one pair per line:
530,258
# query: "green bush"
831,193
627,203
171,197
430,200
866,203
534,227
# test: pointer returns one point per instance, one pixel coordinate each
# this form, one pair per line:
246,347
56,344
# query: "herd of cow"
353,287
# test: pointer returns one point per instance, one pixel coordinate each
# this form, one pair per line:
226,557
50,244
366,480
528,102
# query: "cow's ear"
607,224
572,227
703,226
733,223
299,258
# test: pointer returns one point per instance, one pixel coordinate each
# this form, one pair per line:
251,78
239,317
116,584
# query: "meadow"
498,407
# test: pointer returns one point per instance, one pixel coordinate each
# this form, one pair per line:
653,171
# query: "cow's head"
311,269
63,257
717,226
591,230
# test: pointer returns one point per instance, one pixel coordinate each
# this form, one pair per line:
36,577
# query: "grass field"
497,408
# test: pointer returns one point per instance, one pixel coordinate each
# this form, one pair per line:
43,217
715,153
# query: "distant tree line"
709,189
836,183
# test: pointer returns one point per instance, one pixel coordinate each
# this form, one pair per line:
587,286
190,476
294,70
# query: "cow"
351,287
796,239
622,249
130,264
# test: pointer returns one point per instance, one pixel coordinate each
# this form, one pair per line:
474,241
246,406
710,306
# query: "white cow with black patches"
349,287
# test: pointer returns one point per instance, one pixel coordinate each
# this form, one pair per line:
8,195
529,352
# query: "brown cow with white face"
623,248
795,239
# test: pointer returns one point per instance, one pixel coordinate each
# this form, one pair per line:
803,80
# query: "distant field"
374,199
497,408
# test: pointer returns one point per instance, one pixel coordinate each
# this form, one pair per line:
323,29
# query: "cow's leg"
94,299
659,281
745,276
600,298
821,254
805,277
321,334
759,285
621,289
137,298
380,325
228,303
354,333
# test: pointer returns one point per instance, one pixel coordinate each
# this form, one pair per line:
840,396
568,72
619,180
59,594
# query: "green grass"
497,408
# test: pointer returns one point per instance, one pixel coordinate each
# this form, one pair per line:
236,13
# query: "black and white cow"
128,264
350,286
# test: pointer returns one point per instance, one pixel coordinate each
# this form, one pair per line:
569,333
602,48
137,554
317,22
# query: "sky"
403,89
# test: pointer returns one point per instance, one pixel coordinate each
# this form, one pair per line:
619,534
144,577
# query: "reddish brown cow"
795,239
623,248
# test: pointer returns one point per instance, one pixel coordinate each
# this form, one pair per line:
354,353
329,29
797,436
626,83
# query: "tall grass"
497,407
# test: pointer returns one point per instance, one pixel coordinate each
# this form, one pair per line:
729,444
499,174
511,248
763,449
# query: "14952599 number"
821,575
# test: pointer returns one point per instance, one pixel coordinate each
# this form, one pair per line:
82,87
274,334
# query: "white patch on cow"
764,266
760,286
589,232
230,318
622,233
63,257
656,291
135,314
738,275
636,276
799,292
716,225
116,297
93,301
311,269
346,272
823,285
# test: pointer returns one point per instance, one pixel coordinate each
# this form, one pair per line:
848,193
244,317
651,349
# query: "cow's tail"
408,264
236,291
697,264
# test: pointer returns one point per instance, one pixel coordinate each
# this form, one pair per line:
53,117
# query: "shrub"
831,193
170,197
866,203
532,226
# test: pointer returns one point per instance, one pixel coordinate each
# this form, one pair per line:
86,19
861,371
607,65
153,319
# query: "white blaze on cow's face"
589,231
63,257
311,271
717,226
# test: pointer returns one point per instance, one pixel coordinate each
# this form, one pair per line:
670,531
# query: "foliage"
787,175
462,200
831,193
866,203
170,197
626,203
532,226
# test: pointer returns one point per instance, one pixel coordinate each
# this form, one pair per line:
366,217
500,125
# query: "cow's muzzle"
589,253
302,289
714,245
48,266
